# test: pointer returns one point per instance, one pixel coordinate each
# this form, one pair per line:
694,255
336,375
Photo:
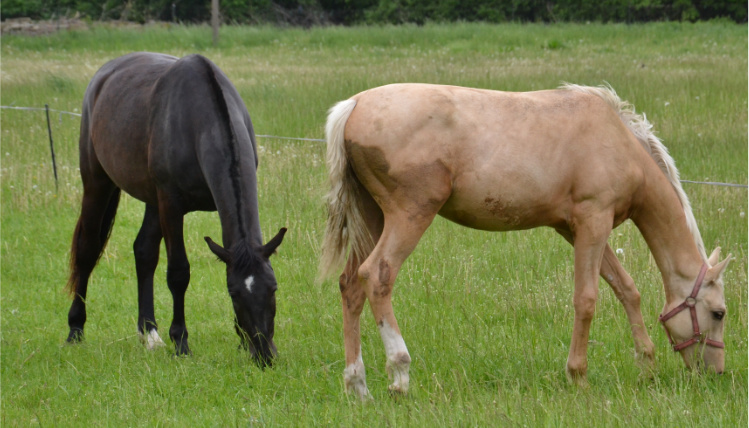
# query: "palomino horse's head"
252,287
694,319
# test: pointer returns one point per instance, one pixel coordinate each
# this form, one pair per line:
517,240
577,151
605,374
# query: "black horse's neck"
234,176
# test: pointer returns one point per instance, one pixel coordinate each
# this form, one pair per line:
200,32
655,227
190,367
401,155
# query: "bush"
317,12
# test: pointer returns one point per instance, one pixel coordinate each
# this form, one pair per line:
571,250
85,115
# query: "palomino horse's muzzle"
690,303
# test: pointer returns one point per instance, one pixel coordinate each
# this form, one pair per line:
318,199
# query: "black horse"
175,134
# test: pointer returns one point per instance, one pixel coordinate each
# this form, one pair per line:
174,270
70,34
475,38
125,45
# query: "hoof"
397,392
75,335
152,340
580,381
182,350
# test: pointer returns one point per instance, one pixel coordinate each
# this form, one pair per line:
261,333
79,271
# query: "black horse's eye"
718,315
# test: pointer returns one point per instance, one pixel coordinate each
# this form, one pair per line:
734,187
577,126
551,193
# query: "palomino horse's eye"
718,315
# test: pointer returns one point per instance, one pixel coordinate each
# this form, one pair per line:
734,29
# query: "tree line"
350,12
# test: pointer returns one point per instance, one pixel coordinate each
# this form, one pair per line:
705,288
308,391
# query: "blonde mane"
642,130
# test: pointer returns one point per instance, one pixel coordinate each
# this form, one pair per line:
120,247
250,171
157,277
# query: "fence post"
214,21
51,147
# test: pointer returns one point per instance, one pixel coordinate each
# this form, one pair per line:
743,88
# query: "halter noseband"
690,303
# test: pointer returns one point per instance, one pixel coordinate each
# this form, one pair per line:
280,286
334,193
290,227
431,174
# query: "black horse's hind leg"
98,210
178,270
146,250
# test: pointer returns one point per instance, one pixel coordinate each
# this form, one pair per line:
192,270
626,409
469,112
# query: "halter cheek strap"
690,303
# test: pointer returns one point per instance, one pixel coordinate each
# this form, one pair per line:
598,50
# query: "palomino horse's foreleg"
590,235
378,273
146,251
625,290
177,273
98,209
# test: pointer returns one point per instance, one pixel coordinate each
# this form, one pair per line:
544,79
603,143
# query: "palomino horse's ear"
270,248
714,273
218,250
714,257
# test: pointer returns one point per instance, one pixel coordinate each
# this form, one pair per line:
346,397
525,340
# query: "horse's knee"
378,277
144,253
353,295
585,304
178,276
632,296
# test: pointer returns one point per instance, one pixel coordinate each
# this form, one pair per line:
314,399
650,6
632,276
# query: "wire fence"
315,140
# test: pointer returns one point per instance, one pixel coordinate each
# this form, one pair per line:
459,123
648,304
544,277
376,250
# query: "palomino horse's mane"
642,130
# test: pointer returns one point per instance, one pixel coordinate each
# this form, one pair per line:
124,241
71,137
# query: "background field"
487,317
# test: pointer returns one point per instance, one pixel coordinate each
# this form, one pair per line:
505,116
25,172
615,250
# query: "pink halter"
690,302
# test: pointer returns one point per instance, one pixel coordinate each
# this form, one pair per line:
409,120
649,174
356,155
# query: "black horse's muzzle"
262,350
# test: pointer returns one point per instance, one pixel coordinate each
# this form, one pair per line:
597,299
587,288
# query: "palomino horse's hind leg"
146,251
399,238
624,289
98,208
353,296
178,271
591,232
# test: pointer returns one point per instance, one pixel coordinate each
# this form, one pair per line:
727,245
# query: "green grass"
487,317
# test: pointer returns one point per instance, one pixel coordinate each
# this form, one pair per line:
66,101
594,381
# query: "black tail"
106,229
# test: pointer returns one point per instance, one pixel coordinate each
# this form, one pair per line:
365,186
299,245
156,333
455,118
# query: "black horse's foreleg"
98,209
178,271
146,250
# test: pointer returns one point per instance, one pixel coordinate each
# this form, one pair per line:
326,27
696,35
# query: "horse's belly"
501,212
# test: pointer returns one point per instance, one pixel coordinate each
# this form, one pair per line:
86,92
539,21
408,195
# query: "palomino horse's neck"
660,218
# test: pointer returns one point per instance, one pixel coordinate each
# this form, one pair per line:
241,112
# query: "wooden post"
214,21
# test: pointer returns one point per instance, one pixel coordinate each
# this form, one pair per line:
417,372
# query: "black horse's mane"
243,256
234,161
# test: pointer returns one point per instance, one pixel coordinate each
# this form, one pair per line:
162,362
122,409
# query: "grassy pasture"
487,317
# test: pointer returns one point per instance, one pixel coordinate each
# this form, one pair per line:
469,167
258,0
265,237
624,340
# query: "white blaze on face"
248,283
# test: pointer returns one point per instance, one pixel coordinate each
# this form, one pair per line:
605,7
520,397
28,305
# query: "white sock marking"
354,378
398,360
152,340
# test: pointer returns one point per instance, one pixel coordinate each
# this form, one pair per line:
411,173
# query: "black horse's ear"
218,250
270,248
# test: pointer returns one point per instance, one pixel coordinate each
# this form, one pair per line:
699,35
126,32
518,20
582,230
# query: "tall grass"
487,317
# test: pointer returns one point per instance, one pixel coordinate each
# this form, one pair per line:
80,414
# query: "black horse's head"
252,287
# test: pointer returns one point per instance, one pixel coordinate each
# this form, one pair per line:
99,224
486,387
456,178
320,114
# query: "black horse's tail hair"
106,230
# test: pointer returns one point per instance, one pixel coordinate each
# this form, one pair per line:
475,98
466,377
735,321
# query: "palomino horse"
577,159
175,134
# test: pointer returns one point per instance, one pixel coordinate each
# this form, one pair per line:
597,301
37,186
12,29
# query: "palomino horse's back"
493,160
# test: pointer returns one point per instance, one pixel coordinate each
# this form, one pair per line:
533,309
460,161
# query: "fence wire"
320,140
